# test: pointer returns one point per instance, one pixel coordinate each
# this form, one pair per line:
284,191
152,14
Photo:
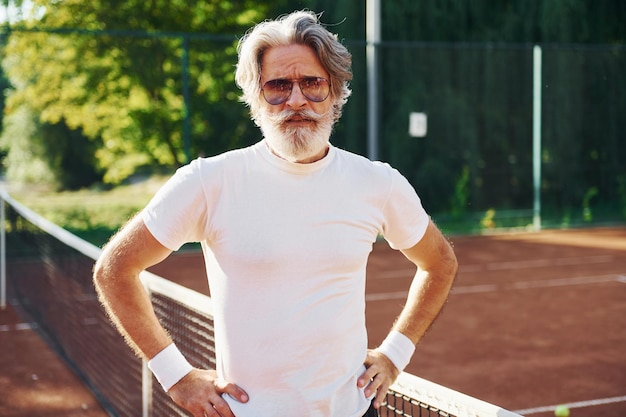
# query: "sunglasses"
278,91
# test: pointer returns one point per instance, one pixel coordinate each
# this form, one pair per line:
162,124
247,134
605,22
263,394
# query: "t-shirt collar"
294,167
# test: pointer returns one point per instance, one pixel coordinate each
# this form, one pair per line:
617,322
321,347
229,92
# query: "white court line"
579,404
473,289
485,288
500,266
564,282
539,263
18,327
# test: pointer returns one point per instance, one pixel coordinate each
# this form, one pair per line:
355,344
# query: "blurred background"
102,94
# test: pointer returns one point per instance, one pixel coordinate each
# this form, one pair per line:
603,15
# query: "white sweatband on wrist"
398,348
169,366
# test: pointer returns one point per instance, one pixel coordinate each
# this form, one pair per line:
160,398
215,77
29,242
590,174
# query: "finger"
210,412
373,386
231,389
221,409
381,395
214,412
203,411
366,378
370,372
217,406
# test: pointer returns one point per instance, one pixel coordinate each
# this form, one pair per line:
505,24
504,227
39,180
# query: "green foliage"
25,159
4,85
461,195
126,92
108,92
45,153
587,211
93,214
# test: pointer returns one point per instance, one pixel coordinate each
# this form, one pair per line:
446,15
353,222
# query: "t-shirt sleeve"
405,220
177,214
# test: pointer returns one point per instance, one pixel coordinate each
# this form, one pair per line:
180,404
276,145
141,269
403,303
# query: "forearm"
116,278
436,266
130,309
427,295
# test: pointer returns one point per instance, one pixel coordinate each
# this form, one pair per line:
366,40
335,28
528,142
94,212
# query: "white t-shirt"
286,246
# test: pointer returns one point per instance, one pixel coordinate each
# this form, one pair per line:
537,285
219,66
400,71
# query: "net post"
537,138
146,373
146,389
3,255
373,29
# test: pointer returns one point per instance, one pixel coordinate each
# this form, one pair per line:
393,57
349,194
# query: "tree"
4,85
115,72
45,153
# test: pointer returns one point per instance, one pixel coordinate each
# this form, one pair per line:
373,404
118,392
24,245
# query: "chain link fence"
456,119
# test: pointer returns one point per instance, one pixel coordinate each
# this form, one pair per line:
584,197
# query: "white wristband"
398,348
169,366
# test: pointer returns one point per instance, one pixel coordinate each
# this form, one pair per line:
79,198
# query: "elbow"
106,278
105,271
99,274
454,265
450,266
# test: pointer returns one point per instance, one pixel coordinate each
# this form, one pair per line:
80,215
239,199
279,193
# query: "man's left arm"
436,269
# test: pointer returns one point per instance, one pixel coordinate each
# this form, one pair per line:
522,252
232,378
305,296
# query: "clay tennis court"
534,320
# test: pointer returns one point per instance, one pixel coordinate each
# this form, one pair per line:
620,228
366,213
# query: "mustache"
285,115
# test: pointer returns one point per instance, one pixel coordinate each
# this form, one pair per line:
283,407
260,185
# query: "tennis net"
47,272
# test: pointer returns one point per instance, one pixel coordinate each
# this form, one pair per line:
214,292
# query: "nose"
296,99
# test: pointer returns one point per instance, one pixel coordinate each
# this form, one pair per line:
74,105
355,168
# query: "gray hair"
303,28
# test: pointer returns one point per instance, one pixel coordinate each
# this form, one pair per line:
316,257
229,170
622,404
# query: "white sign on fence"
418,125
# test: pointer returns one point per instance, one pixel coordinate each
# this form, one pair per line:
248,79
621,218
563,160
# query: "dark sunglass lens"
315,89
277,91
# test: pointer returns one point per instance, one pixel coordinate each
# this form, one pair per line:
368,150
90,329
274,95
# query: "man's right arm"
116,278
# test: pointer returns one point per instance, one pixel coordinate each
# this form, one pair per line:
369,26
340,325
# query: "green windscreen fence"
474,166
473,163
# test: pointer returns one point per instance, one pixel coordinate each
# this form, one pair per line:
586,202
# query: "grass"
92,214
95,214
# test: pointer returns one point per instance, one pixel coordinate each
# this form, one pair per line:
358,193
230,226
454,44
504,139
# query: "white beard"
296,144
